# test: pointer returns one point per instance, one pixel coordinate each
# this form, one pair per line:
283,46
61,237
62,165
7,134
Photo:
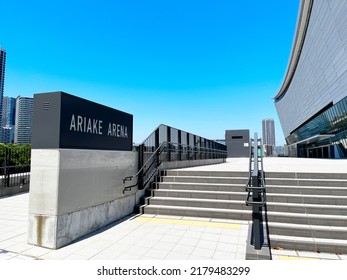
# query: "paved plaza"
282,164
146,237
136,237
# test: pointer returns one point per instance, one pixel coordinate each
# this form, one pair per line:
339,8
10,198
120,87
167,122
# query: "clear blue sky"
201,66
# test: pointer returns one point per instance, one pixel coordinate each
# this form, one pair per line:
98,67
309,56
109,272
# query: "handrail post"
256,193
158,156
256,213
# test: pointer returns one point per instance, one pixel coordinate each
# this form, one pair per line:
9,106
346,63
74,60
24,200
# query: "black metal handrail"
153,160
166,143
255,187
150,167
14,165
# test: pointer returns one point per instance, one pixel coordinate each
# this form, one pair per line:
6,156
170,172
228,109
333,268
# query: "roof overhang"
312,139
301,29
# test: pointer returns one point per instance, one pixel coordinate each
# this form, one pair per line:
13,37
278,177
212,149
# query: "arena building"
312,100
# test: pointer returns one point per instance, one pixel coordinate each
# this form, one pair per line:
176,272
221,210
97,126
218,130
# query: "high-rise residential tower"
2,74
24,115
269,142
8,119
8,111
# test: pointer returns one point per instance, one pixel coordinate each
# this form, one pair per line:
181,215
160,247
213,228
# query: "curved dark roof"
301,29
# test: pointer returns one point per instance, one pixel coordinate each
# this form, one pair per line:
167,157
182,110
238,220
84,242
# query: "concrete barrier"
74,192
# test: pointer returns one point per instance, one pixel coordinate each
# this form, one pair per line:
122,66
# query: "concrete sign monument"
81,151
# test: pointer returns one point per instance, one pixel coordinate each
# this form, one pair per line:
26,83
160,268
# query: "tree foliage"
14,154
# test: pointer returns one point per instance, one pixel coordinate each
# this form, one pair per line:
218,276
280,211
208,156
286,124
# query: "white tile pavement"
142,237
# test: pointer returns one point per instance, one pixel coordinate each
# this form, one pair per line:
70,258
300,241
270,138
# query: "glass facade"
8,119
325,136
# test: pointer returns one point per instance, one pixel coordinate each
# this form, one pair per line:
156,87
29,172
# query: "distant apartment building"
268,127
2,75
24,114
8,111
8,119
279,150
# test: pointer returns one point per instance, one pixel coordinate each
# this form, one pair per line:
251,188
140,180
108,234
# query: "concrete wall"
73,192
321,73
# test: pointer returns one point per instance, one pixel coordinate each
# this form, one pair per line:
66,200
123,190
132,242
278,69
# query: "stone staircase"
200,194
306,211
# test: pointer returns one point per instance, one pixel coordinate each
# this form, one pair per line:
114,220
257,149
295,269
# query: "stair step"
197,212
303,175
227,200
201,186
197,202
269,181
226,195
307,199
307,208
313,190
304,230
201,179
208,191
268,175
310,219
207,173
271,189
337,246
278,217
306,182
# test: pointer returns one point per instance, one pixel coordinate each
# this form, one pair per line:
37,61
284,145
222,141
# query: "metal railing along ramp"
14,169
168,144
